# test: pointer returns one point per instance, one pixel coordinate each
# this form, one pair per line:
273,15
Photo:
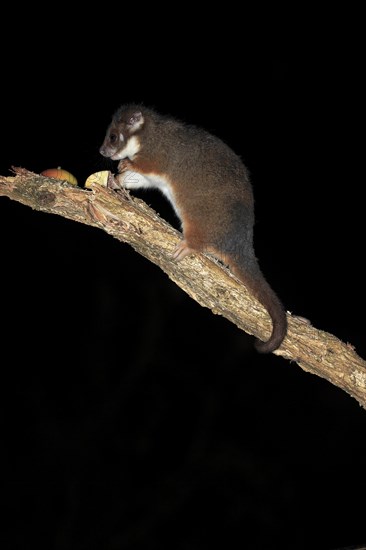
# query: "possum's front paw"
123,165
114,182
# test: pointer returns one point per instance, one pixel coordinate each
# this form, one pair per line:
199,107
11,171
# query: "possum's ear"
135,122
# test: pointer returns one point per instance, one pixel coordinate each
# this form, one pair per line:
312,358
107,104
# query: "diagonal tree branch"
130,220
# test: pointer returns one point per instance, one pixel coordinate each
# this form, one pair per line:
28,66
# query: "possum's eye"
113,138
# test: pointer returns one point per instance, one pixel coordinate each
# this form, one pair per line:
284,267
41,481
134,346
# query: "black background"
132,417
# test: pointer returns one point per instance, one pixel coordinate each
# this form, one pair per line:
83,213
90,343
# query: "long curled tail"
262,291
279,323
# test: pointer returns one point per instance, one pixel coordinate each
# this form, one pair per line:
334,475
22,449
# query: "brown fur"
210,190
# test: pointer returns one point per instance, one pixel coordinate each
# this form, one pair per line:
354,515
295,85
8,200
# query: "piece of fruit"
101,178
60,174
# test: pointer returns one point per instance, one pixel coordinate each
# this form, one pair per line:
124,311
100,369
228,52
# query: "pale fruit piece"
100,178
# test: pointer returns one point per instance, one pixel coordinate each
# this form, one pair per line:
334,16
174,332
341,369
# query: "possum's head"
121,140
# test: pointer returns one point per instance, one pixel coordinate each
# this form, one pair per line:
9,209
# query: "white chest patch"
130,150
134,180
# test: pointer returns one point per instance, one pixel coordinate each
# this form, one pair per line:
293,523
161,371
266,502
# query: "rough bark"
131,221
